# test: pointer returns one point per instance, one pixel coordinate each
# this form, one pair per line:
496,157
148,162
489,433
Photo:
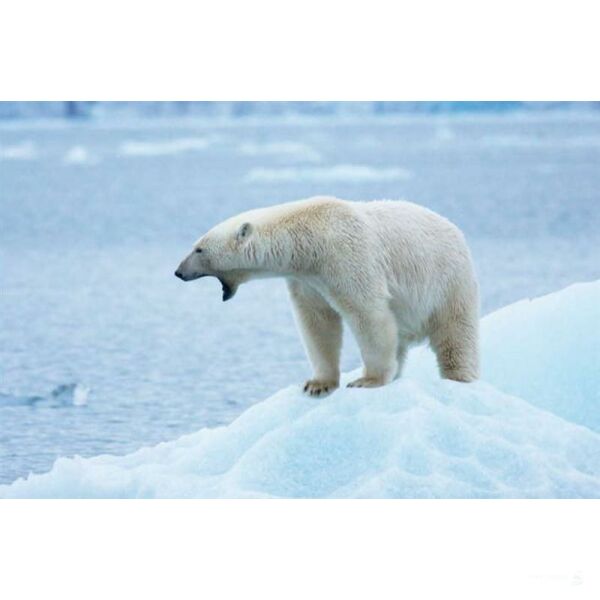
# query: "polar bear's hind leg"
455,342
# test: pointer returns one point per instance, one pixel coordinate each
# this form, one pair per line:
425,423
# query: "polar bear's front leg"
375,330
321,330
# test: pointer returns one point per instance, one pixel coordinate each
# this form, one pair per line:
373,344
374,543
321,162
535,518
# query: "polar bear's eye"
198,250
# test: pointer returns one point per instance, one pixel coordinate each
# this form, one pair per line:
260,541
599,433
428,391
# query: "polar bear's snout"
187,275
181,276
191,267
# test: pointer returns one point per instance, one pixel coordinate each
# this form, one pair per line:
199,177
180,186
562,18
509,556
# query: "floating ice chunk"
21,151
343,173
443,133
541,141
69,394
157,148
72,393
79,155
294,150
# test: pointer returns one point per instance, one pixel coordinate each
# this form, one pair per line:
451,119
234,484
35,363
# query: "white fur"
395,272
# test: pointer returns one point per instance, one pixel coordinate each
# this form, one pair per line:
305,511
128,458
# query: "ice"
79,155
289,150
343,173
444,134
165,147
419,437
541,141
73,393
19,151
66,394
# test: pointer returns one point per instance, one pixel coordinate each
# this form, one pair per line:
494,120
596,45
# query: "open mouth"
227,290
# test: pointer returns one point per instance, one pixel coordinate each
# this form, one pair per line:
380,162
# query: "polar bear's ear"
243,232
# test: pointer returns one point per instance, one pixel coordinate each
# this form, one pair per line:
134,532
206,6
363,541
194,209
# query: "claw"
365,382
317,388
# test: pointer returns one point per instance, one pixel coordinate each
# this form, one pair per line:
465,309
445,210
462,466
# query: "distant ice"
443,133
540,141
80,395
293,150
419,437
20,151
344,173
166,147
79,155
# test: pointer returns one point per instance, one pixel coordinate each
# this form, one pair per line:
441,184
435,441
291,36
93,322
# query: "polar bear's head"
226,252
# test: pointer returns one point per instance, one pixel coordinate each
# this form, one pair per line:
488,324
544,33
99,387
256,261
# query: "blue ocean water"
102,350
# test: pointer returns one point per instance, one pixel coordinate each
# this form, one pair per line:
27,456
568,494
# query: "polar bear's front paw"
316,387
367,382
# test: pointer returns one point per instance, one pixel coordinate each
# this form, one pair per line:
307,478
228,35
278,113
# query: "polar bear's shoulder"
316,208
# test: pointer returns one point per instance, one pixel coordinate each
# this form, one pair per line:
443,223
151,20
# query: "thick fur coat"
395,272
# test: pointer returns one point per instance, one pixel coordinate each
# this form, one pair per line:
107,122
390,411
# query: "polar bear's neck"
289,237
279,250
290,246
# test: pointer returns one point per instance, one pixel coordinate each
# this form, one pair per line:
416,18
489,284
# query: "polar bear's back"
406,219
402,236
412,236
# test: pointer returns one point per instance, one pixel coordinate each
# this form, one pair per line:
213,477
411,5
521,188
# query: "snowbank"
418,437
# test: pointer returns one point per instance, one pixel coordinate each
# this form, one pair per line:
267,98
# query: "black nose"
178,274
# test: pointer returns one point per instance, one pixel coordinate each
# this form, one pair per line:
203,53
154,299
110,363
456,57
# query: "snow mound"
344,173
419,437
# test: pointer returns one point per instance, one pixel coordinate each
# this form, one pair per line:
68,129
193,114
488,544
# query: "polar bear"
395,272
